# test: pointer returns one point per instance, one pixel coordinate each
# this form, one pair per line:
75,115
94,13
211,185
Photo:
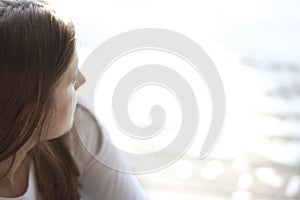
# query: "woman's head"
38,65
38,80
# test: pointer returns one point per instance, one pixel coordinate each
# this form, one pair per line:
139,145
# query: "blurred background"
255,47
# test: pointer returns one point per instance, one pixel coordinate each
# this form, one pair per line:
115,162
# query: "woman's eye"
75,79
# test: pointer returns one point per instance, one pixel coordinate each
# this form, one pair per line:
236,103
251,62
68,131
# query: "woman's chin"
70,125
58,133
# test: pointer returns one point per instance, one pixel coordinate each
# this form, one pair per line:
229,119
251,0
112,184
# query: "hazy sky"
265,30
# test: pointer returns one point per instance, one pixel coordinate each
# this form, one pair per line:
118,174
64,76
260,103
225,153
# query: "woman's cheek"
74,99
62,120
70,106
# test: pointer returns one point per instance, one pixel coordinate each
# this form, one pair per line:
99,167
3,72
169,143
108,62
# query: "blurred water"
255,45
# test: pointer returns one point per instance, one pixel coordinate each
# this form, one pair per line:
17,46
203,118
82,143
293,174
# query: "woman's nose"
81,80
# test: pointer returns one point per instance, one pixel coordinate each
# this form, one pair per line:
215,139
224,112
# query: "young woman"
41,124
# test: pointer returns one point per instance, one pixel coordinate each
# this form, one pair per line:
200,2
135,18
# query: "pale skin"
16,181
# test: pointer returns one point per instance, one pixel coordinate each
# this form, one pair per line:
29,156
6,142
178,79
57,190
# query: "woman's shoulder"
88,126
85,138
93,153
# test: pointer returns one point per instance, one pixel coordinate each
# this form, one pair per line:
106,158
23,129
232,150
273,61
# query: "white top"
31,189
98,181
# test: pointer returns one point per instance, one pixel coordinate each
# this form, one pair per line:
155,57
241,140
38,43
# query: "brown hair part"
36,48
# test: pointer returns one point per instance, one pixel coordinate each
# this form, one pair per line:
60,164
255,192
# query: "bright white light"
184,169
269,176
245,181
241,195
240,165
293,186
212,170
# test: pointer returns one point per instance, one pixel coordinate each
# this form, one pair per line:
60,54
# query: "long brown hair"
36,48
